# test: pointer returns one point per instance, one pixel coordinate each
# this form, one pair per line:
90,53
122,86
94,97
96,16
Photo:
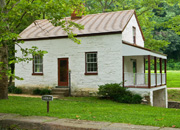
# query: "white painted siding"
128,64
127,34
128,69
109,48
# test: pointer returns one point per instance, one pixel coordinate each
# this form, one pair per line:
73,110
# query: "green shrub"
44,91
136,99
13,89
118,93
17,91
37,91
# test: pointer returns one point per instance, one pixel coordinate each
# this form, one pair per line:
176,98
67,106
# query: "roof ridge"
91,14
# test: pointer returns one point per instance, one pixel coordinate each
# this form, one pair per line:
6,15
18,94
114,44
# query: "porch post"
155,70
123,70
144,65
161,69
149,71
144,70
165,69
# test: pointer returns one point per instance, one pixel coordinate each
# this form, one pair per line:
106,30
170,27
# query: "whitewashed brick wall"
127,34
109,48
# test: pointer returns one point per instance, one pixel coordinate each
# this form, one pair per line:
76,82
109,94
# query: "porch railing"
164,78
141,79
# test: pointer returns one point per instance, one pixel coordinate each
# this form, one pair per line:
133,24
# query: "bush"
118,93
136,99
41,91
13,89
37,91
45,91
18,91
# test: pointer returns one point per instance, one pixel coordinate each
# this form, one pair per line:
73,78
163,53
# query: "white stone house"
111,51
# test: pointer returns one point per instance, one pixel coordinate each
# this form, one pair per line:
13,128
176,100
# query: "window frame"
37,73
134,34
86,71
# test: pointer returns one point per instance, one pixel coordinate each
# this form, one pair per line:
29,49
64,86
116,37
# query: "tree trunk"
12,72
3,69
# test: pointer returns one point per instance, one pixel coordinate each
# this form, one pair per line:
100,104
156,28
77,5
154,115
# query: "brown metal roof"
93,24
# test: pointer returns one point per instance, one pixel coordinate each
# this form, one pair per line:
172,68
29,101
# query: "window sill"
90,73
37,73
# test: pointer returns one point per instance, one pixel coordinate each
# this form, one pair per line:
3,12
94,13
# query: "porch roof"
134,50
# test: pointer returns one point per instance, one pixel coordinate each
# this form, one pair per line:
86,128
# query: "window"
134,35
37,65
91,63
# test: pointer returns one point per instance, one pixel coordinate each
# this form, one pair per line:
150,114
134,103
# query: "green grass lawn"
91,108
174,95
173,79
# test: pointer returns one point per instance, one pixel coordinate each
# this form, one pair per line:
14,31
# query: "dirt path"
25,95
174,88
29,95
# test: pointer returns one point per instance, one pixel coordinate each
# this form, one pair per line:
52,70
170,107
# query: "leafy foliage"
118,93
38,91
16,15
13,89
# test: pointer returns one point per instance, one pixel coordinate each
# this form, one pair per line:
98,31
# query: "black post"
47,106
149,71
69,83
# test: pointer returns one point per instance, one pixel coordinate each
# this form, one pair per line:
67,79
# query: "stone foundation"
84,92
172,104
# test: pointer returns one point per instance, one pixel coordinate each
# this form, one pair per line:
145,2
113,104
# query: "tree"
16,15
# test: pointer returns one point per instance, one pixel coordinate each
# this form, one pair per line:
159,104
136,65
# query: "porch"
144,73
143,68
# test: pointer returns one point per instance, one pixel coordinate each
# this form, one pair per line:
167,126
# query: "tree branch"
143,12
101,5
87,6
105,5
111,2
21,19
8,2
12,6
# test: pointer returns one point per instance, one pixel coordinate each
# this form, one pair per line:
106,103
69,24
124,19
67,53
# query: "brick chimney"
74,15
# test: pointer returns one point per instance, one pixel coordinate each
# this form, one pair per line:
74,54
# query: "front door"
63,72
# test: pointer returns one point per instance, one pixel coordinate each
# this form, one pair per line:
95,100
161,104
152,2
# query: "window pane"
41,68
91,62
92,67
38,64
37,68
88,68
91,57
40,59
35,59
